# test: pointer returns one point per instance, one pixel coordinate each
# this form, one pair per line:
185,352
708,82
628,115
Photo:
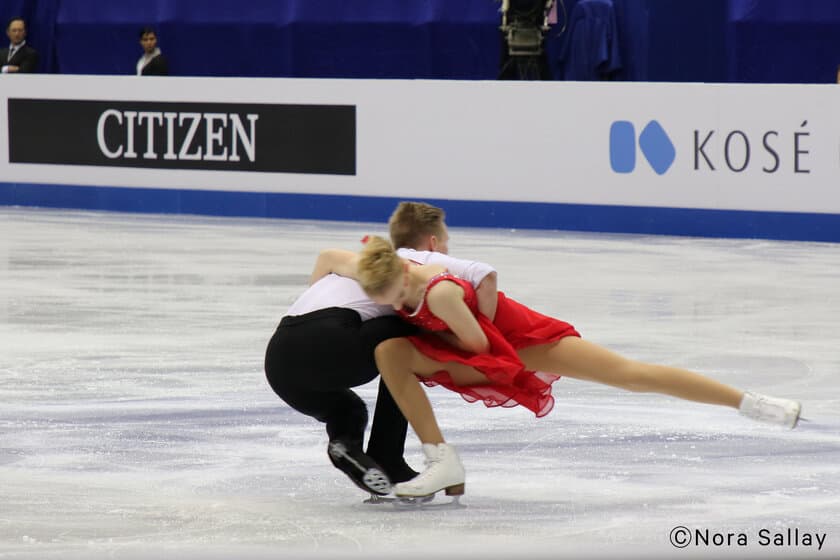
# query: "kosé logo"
654,144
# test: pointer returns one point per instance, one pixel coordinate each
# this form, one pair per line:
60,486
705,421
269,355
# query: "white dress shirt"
338,291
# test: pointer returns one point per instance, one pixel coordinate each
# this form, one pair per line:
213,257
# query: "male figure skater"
325,345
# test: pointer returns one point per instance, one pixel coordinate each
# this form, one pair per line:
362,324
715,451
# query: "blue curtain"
591,49
794,41
288,38
784,41
632,22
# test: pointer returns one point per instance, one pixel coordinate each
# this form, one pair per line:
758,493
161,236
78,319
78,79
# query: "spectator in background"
18,58
152,63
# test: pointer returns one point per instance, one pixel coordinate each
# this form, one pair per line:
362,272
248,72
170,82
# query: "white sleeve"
471,271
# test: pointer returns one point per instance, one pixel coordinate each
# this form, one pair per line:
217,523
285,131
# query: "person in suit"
152,63
18,58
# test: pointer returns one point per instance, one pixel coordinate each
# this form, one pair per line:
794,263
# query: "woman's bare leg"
578,358
398,361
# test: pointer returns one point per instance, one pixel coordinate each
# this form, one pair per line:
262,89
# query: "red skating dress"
515,326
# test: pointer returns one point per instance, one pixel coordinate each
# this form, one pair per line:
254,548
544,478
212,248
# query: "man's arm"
488,296
335,261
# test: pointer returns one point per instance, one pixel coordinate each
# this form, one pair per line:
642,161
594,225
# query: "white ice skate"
784,412
444,471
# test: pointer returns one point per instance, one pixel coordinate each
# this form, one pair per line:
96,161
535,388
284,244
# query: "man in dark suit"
152,63
19,57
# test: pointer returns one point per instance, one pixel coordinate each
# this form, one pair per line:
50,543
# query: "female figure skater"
510,357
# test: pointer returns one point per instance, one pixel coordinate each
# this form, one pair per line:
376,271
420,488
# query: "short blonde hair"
379,266
412,221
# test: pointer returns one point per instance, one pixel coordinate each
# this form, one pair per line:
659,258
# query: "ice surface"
135,420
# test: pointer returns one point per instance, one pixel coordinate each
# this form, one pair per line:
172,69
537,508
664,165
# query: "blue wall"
795,41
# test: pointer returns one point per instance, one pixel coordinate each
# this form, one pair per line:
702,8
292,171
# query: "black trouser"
312,361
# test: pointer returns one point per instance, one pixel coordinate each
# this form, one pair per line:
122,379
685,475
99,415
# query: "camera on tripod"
524,24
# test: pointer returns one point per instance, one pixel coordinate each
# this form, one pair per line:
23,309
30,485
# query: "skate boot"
784,412
444,471
362,470
396,469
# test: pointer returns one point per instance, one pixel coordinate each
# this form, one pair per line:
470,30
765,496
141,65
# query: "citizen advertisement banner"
313,139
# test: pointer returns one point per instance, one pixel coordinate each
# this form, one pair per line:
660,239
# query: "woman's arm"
452,340
335,261
446,301
488,296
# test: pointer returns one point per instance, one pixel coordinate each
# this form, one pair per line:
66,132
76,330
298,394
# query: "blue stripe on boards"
467,213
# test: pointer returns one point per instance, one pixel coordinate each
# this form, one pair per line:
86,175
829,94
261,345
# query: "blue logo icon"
654,142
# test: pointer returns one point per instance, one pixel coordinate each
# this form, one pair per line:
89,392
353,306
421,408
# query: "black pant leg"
311,363
388,431
386,444
343,411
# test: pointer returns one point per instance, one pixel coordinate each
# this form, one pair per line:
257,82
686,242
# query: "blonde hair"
412,221
379,266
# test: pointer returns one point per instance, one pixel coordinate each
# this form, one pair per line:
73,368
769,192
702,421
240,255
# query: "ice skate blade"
378,500
415,502
407,503
801,420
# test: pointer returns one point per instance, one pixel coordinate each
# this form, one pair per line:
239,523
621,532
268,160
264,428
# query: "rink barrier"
721,160
793,226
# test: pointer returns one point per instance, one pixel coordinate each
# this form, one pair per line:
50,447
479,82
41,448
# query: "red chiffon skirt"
510,384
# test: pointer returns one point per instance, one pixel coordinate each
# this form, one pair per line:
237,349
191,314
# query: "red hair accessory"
365,239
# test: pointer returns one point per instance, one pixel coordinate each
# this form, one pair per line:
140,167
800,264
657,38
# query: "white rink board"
544,142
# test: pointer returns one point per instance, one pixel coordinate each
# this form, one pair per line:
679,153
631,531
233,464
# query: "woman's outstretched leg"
581,359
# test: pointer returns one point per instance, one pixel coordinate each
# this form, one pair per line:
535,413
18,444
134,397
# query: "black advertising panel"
318,139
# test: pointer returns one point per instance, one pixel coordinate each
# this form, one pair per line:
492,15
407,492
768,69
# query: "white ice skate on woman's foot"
770,409
444,471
